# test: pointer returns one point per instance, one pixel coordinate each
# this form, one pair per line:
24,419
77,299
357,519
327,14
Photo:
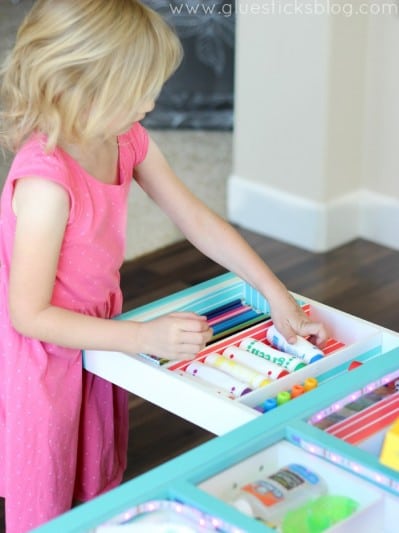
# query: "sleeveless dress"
63,431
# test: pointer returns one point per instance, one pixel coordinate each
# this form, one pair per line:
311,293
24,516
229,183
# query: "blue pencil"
234,321
223,309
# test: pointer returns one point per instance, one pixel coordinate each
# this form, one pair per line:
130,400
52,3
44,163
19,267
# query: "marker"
269,404
289,363
310,384
302,348
243,373
220,379
283,397
297,390
269,369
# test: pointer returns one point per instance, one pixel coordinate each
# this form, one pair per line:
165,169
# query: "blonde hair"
80,65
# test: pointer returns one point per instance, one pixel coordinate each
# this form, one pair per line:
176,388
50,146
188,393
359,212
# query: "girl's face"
145,107
121,126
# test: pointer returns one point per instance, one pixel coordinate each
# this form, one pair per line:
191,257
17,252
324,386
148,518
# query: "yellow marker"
390,448
253,378
310,383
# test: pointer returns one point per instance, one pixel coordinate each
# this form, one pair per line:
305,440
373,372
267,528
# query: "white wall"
316,127
382,141
280,101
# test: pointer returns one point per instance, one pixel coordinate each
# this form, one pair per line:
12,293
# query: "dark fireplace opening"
200,95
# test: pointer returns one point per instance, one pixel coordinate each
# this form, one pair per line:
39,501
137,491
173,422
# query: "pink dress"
63,431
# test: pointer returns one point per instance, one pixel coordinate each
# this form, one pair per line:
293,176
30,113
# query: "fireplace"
200,94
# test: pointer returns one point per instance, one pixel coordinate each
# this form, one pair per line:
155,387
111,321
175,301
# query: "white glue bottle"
272,497
302,348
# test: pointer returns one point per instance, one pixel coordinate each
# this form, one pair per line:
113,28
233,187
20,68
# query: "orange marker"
297,390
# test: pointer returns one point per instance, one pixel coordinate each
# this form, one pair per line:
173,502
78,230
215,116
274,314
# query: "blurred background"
283,117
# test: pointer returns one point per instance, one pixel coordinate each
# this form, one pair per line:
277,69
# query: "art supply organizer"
337,429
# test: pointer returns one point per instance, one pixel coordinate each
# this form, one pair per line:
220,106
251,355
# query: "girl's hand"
291,320
174,336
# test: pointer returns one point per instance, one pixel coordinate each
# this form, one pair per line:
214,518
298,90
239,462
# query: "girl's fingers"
315,330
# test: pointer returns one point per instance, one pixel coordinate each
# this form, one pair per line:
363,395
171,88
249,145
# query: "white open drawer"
170,387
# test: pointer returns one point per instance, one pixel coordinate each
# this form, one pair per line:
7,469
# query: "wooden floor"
361,278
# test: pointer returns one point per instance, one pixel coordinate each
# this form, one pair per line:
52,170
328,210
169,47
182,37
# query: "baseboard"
379,219
313,225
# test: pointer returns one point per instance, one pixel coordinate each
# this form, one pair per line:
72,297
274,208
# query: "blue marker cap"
316,358
269,404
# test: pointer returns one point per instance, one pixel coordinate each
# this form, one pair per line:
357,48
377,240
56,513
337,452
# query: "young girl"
82,75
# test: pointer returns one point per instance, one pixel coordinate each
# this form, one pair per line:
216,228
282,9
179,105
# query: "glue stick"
243,373
271,370
302,348
220,379
268,353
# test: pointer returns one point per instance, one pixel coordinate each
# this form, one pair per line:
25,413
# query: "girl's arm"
42,210
221,242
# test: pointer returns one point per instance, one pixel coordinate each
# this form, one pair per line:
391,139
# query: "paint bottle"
302,348
268,368
241,372
269,499
289,363
215,377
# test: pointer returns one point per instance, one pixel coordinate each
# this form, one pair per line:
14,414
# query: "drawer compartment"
168,385
367,517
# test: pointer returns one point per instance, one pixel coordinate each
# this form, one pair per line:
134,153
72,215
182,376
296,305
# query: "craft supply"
291,364
220,379
239,327
390,448
310,384
271,498
269,369
319,514
283,397
269,404
367,422
243,373
297,390
302,348
213,313
232,321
